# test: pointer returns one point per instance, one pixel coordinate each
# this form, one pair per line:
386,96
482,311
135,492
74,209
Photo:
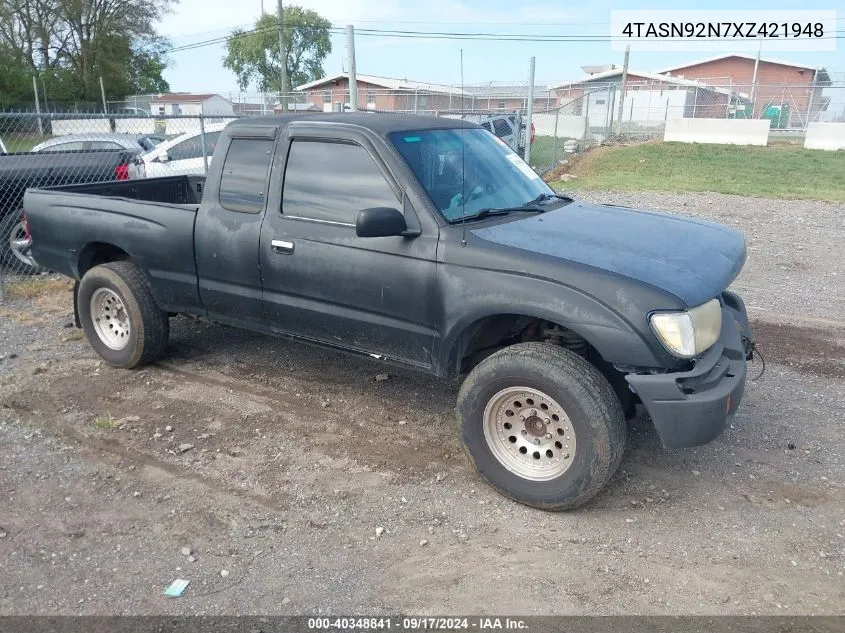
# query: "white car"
178,156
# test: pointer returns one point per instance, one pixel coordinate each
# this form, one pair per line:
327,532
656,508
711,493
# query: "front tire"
120,316
542,425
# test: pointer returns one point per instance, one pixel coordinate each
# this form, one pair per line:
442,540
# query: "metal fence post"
554,139
204,148
586,97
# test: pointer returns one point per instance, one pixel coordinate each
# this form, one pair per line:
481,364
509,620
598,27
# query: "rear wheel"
542,425
120,316
16,246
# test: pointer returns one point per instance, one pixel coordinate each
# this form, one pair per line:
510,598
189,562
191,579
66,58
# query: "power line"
448,35
356,20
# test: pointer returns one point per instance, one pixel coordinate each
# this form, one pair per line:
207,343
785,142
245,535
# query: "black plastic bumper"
692,408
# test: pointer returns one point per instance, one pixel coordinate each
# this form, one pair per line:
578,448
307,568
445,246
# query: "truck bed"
151,221
168,190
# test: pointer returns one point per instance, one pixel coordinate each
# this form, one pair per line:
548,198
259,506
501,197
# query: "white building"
176,103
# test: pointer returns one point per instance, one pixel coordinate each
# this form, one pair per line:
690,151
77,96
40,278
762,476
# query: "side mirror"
164,158
380,222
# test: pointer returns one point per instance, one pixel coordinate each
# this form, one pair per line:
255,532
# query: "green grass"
777,171
105,422
22,143
545,152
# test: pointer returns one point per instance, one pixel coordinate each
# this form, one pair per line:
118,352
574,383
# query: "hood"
692,259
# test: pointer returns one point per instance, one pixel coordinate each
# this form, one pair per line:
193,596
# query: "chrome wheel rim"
111,322
20,245
529,433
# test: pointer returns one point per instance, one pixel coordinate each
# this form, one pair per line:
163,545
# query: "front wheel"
120,316
542,425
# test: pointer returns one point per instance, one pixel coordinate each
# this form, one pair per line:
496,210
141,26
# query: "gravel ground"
278,463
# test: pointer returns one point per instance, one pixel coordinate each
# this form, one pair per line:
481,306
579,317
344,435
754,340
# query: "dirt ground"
275,463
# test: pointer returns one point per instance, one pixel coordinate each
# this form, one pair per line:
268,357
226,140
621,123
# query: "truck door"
228,229
321,281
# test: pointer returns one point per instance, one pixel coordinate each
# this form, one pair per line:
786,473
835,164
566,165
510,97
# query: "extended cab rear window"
245,175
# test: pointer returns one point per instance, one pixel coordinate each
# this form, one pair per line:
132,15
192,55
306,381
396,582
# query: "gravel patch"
320,489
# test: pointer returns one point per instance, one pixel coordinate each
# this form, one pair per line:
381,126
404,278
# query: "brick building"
331,94
778,83
502,97
650,98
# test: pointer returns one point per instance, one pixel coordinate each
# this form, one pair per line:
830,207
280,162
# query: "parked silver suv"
504,126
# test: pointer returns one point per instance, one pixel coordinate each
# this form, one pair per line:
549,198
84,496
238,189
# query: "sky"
438,61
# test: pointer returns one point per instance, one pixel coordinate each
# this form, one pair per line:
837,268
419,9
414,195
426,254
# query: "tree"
254,55
70,44
14,81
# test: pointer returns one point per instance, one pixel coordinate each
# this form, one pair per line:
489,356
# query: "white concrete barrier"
720,131
828,136
180,126
135,126
63,127
568,126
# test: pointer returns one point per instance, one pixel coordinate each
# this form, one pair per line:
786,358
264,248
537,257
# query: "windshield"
149,143
466,171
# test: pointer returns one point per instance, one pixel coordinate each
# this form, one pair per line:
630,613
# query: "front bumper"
691,408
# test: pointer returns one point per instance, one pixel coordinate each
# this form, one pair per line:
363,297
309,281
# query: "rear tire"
542,425
120,316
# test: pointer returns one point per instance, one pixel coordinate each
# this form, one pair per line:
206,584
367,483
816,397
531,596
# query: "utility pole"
37,106
353,80
283,83
529,111
754,83
622,87
810,100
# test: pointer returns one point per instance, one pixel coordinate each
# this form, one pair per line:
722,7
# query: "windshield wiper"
543,197
532,206
486,213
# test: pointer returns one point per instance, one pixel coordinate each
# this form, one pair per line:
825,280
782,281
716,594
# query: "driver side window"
333,181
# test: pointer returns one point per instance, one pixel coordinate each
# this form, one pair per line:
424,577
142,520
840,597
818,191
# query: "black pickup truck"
22,170
427,243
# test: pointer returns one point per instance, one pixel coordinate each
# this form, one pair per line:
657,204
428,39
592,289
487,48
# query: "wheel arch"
97,253
605,332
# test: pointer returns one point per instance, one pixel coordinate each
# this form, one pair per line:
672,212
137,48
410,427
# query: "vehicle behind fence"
44,150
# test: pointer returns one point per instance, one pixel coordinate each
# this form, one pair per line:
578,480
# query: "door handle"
282,247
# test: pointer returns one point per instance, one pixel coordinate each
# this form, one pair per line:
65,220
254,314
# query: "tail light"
532,132
121,172
28,235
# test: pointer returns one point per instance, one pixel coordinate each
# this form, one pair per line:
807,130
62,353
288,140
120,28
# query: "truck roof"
380,123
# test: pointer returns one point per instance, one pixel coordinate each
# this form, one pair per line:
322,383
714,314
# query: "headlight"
687,334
